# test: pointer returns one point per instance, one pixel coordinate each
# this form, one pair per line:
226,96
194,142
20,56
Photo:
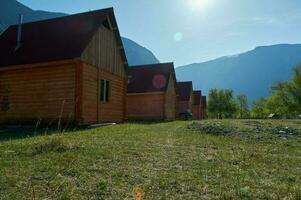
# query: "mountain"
137,54
10,9
2,27
251,73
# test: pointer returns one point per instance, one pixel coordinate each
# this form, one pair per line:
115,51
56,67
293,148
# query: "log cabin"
70,68
204,107
196,106
151,92
184,98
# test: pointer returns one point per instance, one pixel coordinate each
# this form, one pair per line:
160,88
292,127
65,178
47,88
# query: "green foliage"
221,104
285,99
243,106
259,110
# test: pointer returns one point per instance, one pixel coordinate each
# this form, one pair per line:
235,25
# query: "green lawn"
161,161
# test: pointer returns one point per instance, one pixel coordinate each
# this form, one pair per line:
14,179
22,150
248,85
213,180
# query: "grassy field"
227,159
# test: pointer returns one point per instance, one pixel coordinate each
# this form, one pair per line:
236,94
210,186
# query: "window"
104,90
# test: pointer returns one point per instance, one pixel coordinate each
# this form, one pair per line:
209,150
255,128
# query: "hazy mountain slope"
251,73
10,9
2,27
137,54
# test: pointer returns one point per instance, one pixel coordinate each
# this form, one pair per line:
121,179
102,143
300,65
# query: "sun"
198,4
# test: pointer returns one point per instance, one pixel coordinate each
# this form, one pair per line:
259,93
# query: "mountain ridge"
252,72
235,55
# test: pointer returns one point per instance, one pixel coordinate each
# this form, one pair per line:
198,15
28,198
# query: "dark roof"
54,39
150,78
197,96
184,90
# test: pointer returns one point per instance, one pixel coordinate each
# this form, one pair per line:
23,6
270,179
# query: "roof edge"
154,64
108,9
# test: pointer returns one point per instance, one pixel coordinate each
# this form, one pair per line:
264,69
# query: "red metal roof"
184,90
197,96
150,78
54,39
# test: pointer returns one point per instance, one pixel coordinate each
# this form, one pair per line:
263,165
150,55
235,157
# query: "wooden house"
184,98
196,106
70,68
151,92
204,107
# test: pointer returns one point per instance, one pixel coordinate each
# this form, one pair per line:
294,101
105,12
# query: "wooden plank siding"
90,94
170,100
103,51
95,111
102,60
113,110
153,105
39,93
146,106
185,105
196,112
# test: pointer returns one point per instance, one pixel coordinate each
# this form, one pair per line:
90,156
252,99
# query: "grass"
153,161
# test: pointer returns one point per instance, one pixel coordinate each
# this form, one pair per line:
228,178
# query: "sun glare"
198,4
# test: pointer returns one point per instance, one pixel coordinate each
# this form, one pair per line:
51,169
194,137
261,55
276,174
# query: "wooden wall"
185,105
170,100
44,93
114,110
103,60
147,106
103,51
90,94
95,111
196,111
182,106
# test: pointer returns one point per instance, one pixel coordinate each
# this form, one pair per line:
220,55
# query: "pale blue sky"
185,31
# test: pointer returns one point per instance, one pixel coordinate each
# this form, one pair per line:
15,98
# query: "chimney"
19,35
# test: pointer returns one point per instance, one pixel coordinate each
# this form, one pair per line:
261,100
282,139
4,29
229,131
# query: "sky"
193,31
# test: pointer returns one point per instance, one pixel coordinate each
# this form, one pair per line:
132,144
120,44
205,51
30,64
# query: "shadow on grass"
15,133
153,122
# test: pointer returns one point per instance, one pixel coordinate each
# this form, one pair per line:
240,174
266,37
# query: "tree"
243,107
285,99
259,109
213,103
221,103
286,96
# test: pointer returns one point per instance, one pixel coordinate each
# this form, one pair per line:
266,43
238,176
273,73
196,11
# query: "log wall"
39,93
